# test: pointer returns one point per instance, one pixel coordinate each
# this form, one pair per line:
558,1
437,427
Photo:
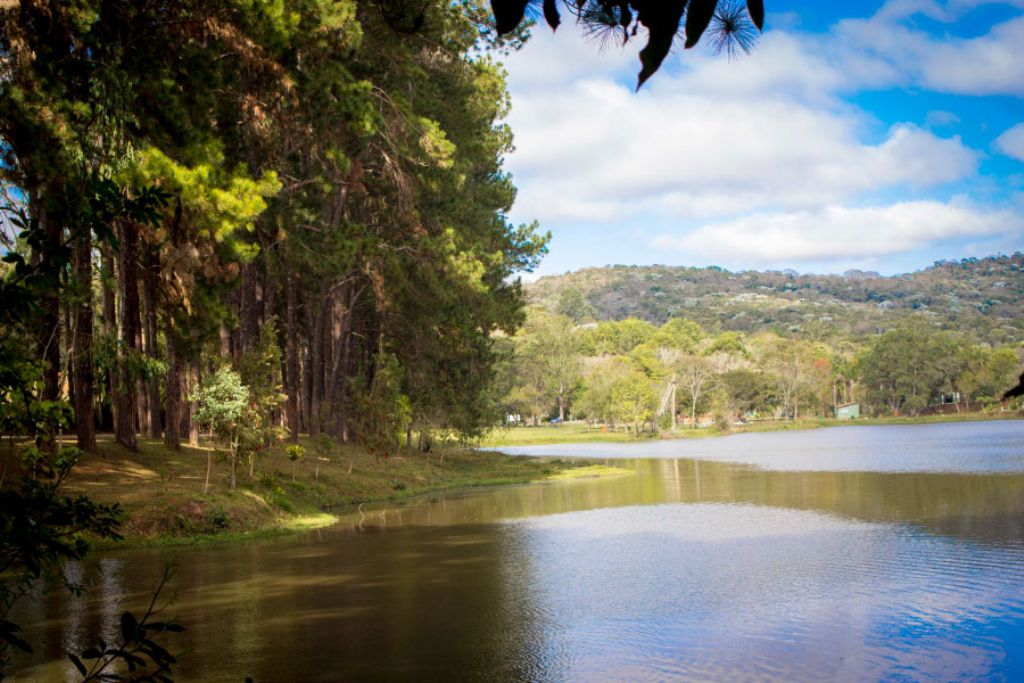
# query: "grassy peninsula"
161,491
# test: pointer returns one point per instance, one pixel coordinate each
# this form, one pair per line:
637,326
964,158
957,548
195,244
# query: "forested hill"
984,297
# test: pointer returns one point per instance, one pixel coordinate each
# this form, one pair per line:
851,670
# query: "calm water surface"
890,553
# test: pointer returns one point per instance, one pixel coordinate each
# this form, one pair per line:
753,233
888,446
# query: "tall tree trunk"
107,280
128,290
306,391
68,335
193,408
172,433
292,359
47,328
234,335
317,388
269,289
85,428
151,275
248,331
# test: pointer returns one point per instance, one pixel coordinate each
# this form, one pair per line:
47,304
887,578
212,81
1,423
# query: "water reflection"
980,507
681,569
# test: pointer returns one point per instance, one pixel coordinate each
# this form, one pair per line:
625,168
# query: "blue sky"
874,135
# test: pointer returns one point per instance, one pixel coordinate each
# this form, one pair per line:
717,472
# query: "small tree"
295,453
222,400
323,444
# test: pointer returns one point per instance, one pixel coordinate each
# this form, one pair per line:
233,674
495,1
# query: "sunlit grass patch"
308,522
589,472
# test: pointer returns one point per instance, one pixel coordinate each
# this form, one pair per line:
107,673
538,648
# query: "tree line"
633,373
306,193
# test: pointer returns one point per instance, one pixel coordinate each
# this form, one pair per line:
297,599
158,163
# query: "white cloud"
764,151
941,119
701,143
1011,143
886,50
836,233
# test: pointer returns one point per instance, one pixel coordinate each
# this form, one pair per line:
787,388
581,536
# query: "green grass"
547,434
161,491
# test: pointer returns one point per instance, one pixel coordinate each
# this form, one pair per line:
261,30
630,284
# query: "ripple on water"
741,592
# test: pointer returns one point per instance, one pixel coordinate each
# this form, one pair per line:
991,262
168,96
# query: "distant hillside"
982,296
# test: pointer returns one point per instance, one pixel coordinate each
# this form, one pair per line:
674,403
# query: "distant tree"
597,398
729,342
900,370
696,376
622,336
679,333
572,304
746,392
632,396
552,343
996,374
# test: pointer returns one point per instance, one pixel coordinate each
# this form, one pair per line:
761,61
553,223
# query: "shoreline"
161,491
545,435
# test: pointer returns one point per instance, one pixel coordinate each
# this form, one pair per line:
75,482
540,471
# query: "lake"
865,553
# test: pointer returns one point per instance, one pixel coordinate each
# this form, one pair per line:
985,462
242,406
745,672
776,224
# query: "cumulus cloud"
840,233
1011,143
698,144
888,50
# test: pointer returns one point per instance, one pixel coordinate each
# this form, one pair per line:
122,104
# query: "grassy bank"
161,491
581,433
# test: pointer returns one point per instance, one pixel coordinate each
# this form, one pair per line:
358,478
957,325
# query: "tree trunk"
209,468
172,433
248,310
47,327
269,289
149,287
193,426
317,393
674,425
308,343
292,360
85,428
128,290
109,277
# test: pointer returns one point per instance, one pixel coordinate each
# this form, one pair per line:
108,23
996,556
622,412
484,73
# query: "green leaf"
756,10
129,627
698,16
78,664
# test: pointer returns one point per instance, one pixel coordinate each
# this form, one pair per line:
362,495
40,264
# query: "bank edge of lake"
573,433
161,491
